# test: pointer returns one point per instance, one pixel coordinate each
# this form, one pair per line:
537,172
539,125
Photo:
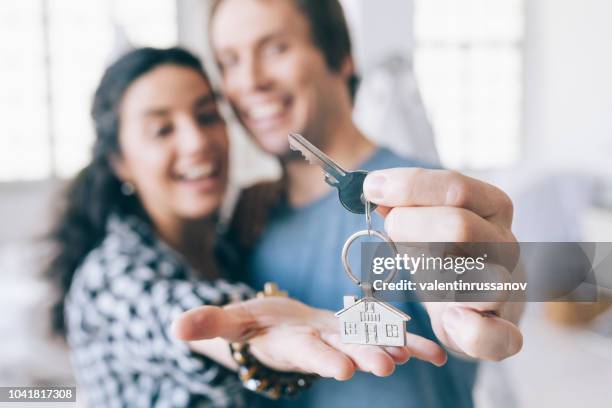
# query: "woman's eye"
209,118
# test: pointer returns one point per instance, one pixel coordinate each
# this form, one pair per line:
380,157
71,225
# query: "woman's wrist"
216,349
261,379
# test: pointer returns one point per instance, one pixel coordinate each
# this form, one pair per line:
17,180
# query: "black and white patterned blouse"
119,311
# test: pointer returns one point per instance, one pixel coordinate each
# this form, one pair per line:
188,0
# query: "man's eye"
209,118
276,48
163,131
227,61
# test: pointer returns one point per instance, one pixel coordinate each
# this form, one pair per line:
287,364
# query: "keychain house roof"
370,321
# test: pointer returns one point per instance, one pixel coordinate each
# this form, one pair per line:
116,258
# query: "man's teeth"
198,172
264,111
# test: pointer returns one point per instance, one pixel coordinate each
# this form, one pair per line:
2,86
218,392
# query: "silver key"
348,183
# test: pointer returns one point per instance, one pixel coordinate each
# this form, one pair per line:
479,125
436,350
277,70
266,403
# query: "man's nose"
253,75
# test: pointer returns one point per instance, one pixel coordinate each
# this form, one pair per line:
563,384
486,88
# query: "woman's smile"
204,177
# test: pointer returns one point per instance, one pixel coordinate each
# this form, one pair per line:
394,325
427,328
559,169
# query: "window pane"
24,144
50,73
148,22
84,36
452,21
81,38
468,62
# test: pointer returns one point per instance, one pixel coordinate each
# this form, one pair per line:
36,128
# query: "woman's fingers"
369,359
233,323
237,321
286,345
311,354
426,350
400,355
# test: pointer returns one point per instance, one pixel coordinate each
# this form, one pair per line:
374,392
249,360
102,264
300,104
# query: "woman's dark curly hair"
96,193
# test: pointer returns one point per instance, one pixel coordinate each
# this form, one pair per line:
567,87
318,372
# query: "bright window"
53,55
468,59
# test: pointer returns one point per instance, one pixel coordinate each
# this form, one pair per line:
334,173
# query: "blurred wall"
568,85
26,210
379,29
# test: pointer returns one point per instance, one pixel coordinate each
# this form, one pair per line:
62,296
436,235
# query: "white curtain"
389,109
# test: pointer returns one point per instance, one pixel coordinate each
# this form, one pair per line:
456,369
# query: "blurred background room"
515,92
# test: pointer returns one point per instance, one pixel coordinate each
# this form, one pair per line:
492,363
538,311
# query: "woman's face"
173,142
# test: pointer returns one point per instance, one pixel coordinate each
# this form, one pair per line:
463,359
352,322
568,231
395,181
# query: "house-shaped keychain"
370,321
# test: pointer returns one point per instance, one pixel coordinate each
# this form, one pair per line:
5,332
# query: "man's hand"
290,336
421,205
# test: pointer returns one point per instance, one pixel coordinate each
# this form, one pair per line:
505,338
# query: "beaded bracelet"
264,380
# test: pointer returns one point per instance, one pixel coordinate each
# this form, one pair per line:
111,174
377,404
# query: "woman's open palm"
288,335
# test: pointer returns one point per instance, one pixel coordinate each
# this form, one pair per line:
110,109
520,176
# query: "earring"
127,188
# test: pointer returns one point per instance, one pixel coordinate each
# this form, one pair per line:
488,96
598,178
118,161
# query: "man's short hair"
330,34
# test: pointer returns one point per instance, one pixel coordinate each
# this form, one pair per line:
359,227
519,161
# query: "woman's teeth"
265,111
198,172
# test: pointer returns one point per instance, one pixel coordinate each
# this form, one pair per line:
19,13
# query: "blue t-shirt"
300,250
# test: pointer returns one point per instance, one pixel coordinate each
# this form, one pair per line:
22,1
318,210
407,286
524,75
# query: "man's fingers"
479,335
410,187
472,234
441,224
383,210
207,322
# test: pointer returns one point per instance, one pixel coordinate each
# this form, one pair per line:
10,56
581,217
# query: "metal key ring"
365,233
368,215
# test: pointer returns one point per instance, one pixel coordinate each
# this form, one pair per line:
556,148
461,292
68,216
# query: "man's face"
273,74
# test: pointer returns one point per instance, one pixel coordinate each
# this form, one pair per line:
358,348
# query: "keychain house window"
369,315
350,328
392,330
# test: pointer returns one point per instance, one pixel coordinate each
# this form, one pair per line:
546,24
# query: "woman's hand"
287,335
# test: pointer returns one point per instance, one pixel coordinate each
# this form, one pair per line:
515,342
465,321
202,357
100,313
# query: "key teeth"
304,155
309,160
